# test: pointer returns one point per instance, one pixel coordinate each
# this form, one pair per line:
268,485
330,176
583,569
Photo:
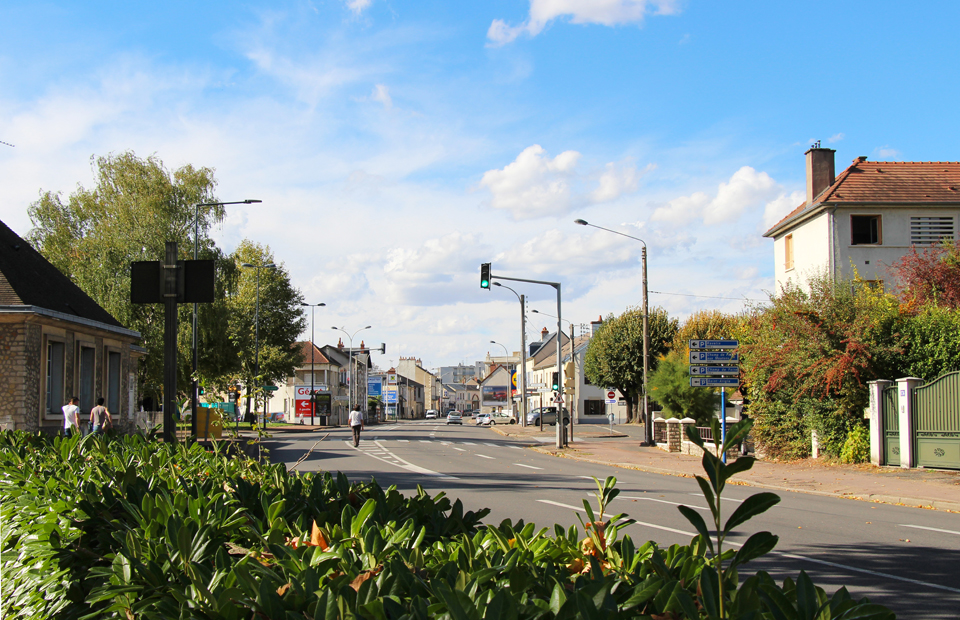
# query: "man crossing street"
356,425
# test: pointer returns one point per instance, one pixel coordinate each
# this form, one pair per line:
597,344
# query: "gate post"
905,387
875,415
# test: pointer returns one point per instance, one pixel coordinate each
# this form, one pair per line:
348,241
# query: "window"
865,230
55,398
931,230
788,252
113,382
87,359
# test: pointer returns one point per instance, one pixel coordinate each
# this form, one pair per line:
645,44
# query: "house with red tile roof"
865,218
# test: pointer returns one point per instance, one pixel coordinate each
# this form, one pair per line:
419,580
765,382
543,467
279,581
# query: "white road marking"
661,501
527,466
445,443
932,529
460,449
484,456
726,499
586,477
467,443
515,447
424,441
404,440
399,462
793,556
492,445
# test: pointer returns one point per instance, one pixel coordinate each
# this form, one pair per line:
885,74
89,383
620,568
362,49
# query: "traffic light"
200,390
485,275
569,378
556,381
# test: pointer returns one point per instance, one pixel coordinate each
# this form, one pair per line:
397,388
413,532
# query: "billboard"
374,387
494,395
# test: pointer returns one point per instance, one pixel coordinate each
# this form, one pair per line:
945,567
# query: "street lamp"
551,316
256,328
647,418
523,354
313,400
574,404
194,398
505,352
350,368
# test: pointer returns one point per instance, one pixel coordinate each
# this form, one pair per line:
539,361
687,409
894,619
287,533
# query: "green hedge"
129,527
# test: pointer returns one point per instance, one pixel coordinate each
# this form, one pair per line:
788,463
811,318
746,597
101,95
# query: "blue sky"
397,145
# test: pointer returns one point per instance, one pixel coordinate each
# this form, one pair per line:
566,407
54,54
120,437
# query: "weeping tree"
614,357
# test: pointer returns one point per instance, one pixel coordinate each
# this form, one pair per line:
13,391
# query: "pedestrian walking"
71,424
355,421
99,418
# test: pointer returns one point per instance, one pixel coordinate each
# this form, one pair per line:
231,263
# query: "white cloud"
358,6
836,137
779,207
382,94
886,152
603,12
747,189
534,185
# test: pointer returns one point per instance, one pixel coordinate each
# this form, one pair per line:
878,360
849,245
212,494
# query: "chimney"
543,335
595,325
821,172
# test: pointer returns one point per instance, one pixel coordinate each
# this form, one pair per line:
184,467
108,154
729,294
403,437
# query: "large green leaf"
752,506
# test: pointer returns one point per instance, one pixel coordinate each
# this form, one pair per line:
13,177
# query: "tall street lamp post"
256,329
194,396
313,347
573,358
350,369
523,353
647,418
505,352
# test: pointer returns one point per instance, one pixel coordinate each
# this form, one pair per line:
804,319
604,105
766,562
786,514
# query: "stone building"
56,342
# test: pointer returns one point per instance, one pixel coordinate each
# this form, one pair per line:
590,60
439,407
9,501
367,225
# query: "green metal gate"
891,425
936,422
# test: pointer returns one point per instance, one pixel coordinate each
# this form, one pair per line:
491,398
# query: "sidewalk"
924,488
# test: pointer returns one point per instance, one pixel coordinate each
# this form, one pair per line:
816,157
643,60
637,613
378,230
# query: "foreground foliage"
131,528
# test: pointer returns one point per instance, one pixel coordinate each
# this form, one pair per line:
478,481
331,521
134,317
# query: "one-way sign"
714,382
714,357
714,370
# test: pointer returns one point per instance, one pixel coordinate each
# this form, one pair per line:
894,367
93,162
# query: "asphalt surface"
905,558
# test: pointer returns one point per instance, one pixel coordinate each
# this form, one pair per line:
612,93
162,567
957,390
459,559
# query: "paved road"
905,558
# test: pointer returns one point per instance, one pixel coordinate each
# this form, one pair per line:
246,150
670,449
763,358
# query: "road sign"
391,396
611,397
558,400
714,370
714,357
271,388
714,382
714,344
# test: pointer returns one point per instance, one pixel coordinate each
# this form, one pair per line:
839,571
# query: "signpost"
611,397
716,363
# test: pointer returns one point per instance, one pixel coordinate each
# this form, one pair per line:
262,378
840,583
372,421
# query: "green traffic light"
485,284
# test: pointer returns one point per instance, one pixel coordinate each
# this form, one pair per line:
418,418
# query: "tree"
614,357
930,277
135,206
670,386
707,324
281,317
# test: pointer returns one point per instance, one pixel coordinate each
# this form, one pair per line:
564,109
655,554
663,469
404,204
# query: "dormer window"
865,230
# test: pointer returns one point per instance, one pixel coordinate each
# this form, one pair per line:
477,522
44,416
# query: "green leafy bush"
132,528
856,449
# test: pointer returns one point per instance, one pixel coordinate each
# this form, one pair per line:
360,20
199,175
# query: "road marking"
492,445
424,441
932,529
726,499
661,501
793,556
404,440
460,449
445,443
527,466
484,456
467,443
515,447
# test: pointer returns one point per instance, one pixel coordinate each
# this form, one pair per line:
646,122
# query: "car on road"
546,415
431,414
483,419
454,417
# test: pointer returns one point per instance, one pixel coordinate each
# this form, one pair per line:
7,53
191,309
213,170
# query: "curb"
910,502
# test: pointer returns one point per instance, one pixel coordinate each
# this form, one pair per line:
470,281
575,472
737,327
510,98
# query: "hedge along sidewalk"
937,489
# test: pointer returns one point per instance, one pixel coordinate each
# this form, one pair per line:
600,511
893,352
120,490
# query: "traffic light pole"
556,285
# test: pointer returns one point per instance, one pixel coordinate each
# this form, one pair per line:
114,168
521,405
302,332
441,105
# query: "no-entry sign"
611,397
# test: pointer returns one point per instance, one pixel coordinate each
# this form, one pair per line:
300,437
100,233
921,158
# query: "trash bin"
322,419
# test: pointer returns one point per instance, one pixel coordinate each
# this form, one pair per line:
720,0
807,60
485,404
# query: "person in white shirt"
71,425
356,425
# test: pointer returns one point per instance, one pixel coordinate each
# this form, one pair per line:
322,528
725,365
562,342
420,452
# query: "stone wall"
12,374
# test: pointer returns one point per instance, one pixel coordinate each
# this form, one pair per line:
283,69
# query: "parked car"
547,415
454,417
431,414
483,419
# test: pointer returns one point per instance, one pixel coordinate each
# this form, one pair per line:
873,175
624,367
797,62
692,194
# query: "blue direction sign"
714,344
714,370
714,357
714,382
392,396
